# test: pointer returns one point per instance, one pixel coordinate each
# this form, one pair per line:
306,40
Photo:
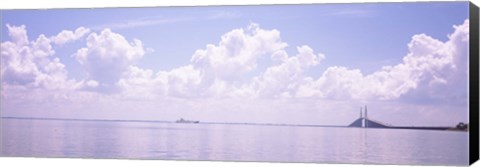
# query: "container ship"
181,120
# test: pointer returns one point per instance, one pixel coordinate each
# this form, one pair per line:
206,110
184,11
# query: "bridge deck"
369,123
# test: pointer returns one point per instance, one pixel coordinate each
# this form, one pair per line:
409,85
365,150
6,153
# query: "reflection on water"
147,140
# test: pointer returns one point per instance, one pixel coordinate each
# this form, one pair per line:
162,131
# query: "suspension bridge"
365,122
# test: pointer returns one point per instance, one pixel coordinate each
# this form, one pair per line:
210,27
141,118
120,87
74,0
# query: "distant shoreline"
163,121
234,123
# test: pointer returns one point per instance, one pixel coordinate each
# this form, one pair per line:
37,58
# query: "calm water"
144,140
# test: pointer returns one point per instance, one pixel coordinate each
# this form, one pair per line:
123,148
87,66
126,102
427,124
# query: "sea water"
230,142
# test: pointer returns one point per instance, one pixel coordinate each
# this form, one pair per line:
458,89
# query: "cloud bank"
225,69
433,71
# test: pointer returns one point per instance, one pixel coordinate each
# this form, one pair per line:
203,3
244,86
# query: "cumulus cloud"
217,71
446,80
221,78
429,65
212,70
107,56
17,64
18,34
230,68
237,51
30,63
109,60
181,82
67,36
221,70
283,79
140,83
55,75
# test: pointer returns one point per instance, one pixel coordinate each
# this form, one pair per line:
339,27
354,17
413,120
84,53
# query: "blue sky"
362,38
380,34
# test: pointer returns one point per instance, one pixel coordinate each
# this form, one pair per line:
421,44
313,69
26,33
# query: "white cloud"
225,69
138,83
107,56
92,83
29,63
213,71
430,64
335,82
142,22
55,76
18,34
237,52
67,36
446,81
17,64
42,47
181,82
283,79
217,71
226,72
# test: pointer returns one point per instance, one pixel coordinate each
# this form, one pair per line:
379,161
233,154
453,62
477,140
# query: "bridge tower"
366,117
361,117
361,114
365,122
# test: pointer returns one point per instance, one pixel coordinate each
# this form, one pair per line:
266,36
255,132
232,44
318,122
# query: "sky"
298,64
